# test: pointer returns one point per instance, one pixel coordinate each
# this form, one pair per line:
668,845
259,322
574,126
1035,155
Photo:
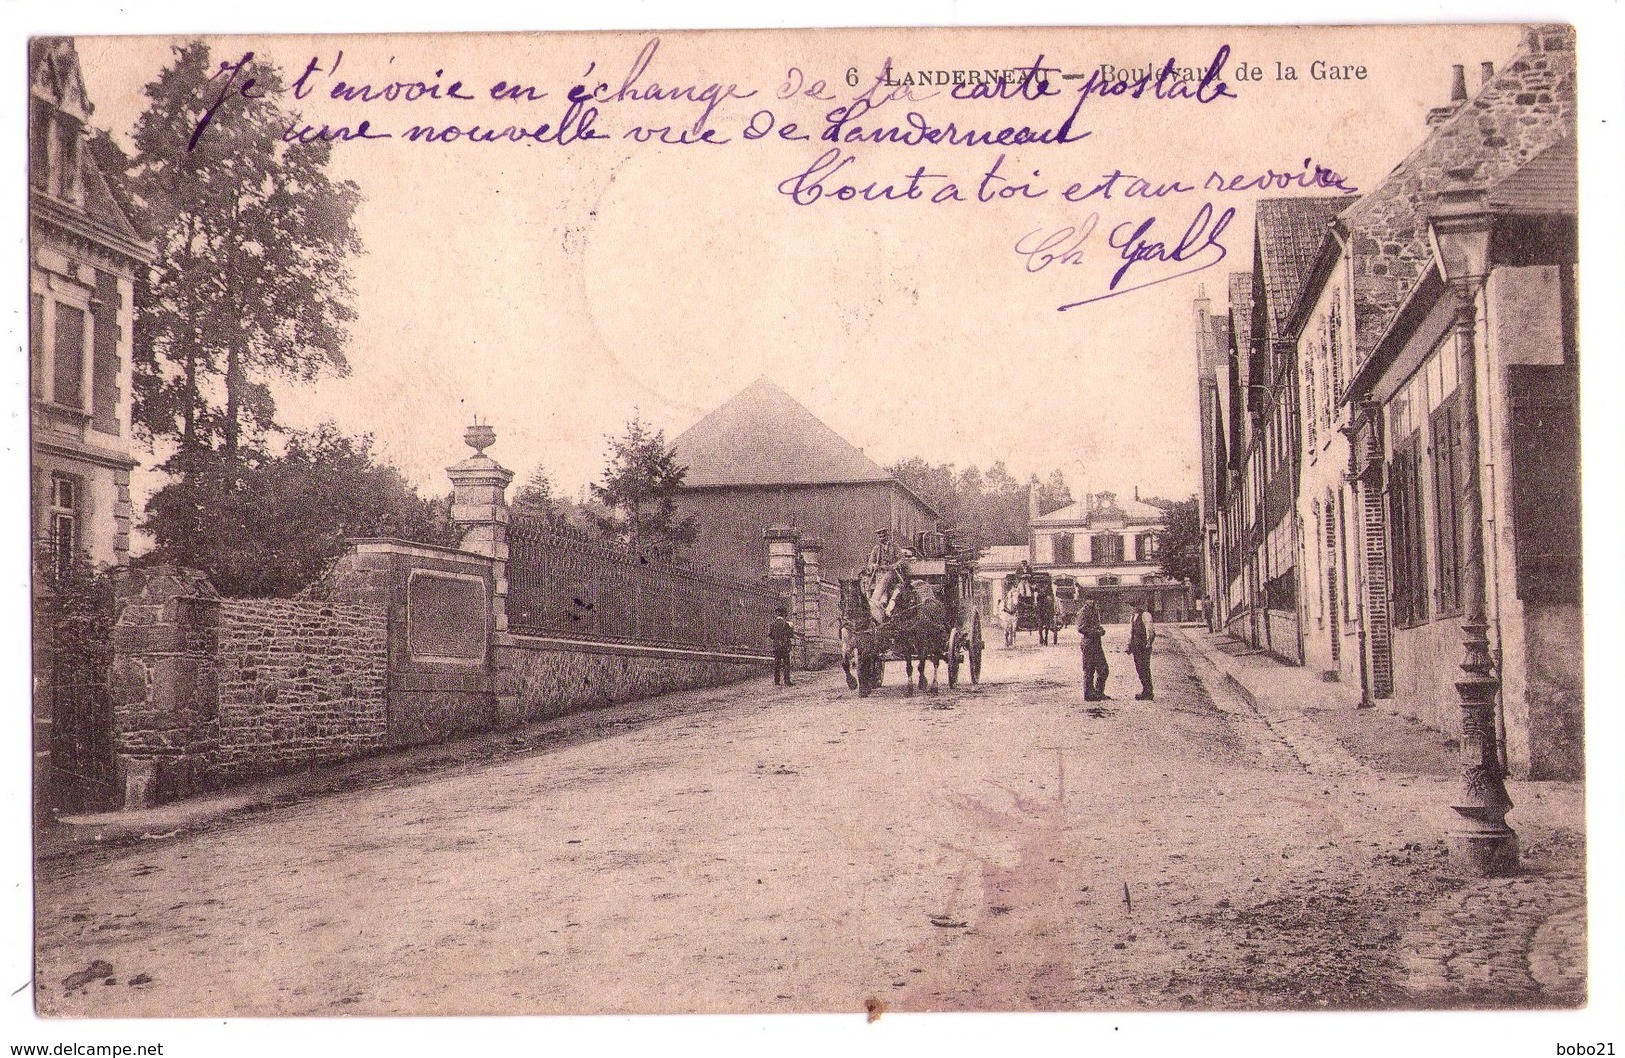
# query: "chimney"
1486,71
1458,96
1032,503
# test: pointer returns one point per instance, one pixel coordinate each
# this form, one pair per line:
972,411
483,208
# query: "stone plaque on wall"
446,616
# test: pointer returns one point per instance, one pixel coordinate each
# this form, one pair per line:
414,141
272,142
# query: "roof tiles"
763,436
1289,231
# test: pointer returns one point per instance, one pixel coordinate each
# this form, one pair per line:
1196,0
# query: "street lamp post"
1481,842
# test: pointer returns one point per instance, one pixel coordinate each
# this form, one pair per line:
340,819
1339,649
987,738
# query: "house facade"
1109,546
1212,337
1262,545
82,261
1345,627
1432,356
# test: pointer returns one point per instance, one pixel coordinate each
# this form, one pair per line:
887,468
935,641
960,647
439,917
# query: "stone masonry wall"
548,681
301,683
166,703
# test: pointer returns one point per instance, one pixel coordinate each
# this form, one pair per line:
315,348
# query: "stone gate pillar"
166,699
812,579
479,507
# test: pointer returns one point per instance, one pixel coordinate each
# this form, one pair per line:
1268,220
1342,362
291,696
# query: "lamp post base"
1484,853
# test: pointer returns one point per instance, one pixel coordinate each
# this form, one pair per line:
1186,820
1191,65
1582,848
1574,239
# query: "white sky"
553,290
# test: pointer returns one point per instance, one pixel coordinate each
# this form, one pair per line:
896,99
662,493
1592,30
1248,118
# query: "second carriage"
1033,603
922,607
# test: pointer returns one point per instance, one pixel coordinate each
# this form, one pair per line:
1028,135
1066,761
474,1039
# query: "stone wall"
1427,664
537,679
1554,695
301,683
1283,635
207,691
166,702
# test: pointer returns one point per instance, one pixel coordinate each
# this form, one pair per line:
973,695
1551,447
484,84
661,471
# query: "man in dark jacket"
1095,670
783,635
1142,633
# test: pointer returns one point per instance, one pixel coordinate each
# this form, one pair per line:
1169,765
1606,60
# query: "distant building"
82,261
992,567
762,460
1108,545
1102,548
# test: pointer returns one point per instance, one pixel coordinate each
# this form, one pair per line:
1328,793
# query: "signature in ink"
1063,246
1137,244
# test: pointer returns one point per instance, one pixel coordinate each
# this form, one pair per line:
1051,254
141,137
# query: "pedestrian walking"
1095,669
783,635
1141,634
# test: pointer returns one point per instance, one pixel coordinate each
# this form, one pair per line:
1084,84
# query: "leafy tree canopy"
269,525
639,487
985,507
1180,542
253,239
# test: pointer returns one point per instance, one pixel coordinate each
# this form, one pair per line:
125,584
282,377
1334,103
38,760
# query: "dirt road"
758,849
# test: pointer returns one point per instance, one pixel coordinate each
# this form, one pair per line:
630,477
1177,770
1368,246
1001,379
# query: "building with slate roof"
1501,166
1259,540
1350,370
1105,545
1339,582
762,460
82,262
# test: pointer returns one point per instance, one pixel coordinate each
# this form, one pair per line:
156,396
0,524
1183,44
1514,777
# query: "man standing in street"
1092,633
783,635
1142,633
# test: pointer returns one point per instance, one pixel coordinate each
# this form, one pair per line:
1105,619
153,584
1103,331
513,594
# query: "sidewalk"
1321,723
1526,932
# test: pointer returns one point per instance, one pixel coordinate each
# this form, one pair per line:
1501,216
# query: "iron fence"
577,589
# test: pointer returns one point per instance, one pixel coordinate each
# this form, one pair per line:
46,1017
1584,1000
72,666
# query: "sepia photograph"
790,521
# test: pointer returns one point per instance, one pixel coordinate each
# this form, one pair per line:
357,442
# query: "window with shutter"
70,357
1409,587
1546,483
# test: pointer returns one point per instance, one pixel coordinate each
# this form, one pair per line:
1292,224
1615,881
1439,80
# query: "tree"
1180,542
1053,492
984,508
252,235
536,502
639,487
270,524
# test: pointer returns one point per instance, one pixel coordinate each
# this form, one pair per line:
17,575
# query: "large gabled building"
1107,545
1287,234
763,460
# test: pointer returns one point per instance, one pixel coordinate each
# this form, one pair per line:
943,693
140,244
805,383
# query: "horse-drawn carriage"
1068,600
920,608
1030,606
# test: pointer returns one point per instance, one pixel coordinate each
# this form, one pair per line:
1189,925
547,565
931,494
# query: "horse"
1021,597
920,619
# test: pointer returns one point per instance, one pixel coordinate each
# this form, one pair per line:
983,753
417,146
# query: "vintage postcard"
807,521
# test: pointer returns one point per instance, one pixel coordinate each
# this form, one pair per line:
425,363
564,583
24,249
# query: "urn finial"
479,436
